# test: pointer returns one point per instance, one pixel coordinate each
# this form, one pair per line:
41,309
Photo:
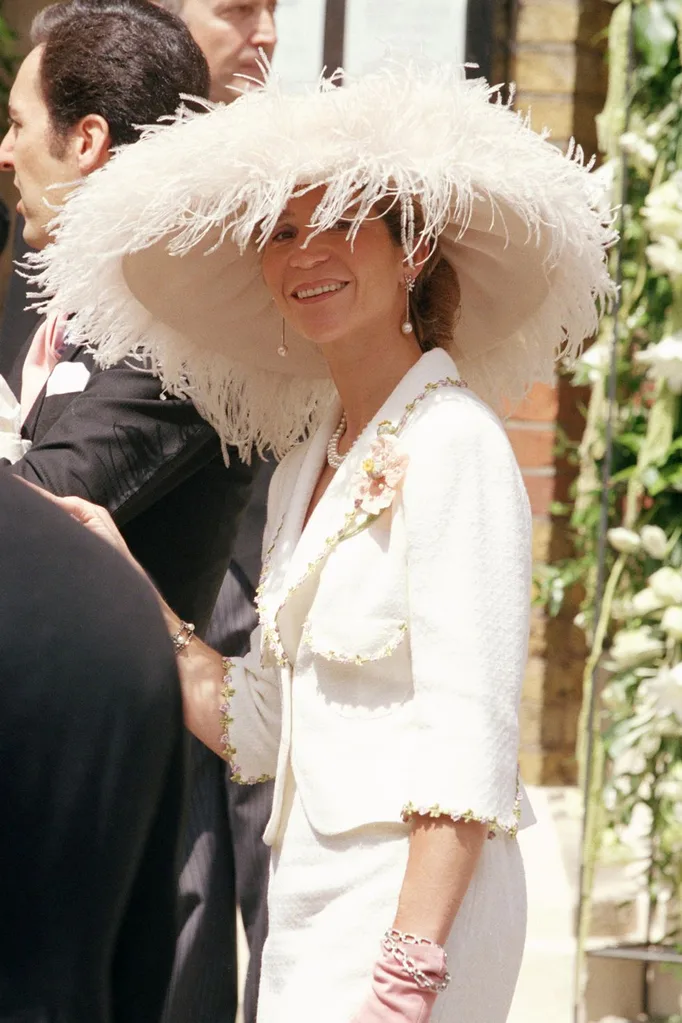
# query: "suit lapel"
292,570
35,420
14,373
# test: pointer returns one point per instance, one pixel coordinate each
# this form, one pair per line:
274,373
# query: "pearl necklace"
334,459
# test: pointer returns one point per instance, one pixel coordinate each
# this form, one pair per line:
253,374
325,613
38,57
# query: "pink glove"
396,997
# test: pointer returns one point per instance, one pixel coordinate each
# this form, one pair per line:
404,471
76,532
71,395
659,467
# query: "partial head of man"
98,70
231,33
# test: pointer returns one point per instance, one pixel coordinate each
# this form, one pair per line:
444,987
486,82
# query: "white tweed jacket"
387,667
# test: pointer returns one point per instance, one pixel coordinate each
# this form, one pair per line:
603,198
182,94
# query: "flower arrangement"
642,701
632,610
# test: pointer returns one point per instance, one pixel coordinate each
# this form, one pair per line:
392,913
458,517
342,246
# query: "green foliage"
638,729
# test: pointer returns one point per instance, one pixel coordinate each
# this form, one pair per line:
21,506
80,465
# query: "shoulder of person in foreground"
83,600
118,442
91,770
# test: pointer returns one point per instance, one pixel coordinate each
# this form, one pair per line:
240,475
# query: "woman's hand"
396,996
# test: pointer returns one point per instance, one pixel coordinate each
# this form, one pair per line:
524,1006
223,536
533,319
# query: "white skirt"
331,899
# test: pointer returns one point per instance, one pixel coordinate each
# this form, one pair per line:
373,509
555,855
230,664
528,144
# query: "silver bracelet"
393,939
183,637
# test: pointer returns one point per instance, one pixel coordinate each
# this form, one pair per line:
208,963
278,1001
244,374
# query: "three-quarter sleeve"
469,564
251,696
250,715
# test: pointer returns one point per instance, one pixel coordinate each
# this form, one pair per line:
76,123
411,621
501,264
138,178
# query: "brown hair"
436,297
126,60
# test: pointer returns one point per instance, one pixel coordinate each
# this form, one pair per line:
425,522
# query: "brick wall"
557,64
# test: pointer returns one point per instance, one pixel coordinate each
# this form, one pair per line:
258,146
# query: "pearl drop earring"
407,327
283,349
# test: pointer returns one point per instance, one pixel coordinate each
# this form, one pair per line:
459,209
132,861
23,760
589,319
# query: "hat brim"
157,253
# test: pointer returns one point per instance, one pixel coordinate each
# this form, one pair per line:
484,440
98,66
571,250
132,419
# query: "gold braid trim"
494,824
229,752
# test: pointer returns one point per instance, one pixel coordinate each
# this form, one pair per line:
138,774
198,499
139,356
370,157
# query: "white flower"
595,361
638,147
654,541
604,177
635,646
663,209
669,788
666,688
632,761
644,602
665,361
650,745
614,697
667,585
671,622
626,541
665,257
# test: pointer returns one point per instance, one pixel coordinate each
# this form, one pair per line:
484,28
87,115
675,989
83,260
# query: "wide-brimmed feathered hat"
157,254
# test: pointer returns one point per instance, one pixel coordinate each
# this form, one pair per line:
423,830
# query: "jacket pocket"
348,639
361,667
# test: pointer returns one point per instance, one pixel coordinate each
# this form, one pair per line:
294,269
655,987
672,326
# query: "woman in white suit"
384,254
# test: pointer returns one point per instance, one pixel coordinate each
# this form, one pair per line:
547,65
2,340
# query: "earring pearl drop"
283,349
407,327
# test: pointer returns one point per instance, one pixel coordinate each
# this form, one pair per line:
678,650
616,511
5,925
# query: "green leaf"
625,739
623,475
559,509
631,441
659,29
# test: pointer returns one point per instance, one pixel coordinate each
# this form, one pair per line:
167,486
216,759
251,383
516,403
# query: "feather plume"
518,219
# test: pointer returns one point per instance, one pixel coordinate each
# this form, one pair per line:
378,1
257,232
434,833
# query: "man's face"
231,32
34,155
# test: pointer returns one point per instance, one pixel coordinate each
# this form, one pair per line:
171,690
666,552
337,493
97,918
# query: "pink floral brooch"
378,480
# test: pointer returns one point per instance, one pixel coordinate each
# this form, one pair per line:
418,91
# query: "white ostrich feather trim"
518,220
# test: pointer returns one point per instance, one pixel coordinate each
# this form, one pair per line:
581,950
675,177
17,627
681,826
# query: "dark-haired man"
98,68
108,435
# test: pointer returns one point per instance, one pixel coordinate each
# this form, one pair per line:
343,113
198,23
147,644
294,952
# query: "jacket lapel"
291,572
70,353
283,552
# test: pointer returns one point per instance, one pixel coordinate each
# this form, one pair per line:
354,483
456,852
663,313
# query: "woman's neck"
366,373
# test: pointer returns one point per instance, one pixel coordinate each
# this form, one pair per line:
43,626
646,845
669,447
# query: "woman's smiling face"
326,289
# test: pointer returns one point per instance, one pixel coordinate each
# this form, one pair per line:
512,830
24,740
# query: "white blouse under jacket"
388,663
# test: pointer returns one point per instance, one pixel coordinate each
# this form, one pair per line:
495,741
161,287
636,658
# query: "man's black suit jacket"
153,462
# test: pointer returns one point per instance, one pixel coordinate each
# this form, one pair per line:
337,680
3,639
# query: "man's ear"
93,143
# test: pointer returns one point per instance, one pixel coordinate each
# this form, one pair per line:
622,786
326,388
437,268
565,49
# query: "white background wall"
435,28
